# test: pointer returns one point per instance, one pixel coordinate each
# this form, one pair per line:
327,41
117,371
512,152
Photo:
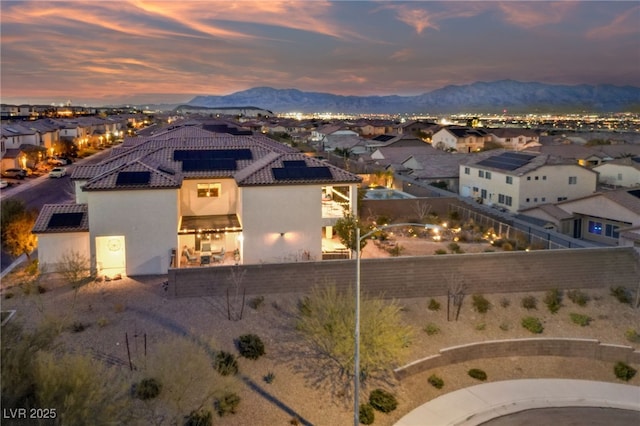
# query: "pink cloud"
535,14
623,25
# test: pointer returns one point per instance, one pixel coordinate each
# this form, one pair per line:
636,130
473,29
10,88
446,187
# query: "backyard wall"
425,276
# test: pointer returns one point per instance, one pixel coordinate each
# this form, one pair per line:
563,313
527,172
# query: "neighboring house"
514,139
185,187
460,139
600,217
437,169
520,180
620,172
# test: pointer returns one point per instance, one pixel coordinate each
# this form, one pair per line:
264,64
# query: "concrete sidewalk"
477,404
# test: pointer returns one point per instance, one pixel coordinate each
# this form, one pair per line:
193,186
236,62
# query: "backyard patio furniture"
191,257
219,258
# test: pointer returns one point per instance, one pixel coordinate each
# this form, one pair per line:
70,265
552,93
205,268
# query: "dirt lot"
139,309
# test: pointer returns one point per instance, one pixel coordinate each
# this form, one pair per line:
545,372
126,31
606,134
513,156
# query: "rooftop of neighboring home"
510,132
512,162
633,162
435,166
465,132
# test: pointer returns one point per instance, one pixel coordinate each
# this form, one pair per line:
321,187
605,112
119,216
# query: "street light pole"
356,357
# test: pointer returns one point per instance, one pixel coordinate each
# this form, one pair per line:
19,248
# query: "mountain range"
486,97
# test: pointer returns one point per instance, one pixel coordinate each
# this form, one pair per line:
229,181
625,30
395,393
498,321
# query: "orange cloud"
531,14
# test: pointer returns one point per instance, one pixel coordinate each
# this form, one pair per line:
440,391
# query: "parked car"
57,172
15,173
58,161
3,184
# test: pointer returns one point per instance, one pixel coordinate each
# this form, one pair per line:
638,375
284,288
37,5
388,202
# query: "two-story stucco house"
515,139
520,180
620,172
460,139
161,201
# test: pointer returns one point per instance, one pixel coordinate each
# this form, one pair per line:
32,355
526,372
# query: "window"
619,176
501,198
483,194
527,200
508,200
543,199
475,189
611,231
487,175
595,227
481,173
562,198
544,178
573,180
510,180
467,171
208,190
528,177
535,200
536,178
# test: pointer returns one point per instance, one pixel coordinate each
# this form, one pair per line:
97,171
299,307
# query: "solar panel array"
207,164
208,160
65,220
133,178
298,170
507,161
294,163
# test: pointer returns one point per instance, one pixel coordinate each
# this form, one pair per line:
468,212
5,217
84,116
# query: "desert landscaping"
126,323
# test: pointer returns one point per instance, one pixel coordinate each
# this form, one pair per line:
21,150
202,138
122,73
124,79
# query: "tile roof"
158,179
48,210
538,161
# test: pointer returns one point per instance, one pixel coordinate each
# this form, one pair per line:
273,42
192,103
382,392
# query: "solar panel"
208,165
167,170
65,220
635,159
212,154
635,193
302,173
507,161
133,178
294,163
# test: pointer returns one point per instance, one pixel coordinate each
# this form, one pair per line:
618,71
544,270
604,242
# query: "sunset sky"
106,52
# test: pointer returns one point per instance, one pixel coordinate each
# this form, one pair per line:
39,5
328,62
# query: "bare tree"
236,277
456,289
421,208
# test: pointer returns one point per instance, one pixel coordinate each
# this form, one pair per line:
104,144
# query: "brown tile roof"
42,225
158,179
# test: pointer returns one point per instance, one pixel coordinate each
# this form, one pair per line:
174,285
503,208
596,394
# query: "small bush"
632,335
624,371
507,247
480,303
199,418
41,289
147,389
481,326
78,327
478,374
367,415
225,363
553,300
256,302
454,248
532,324
434,305
504,326
622,294
578,297
304,306
8,295
227,404
431,329
435,381
580,319
504,302
383,401
269,377
529,302
102,322
440,251
250,346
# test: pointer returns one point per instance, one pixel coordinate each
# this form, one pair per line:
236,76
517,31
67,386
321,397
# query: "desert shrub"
578,297
624,371
269,377
454,248
366,414
396,250
504,302
383,401
632,335
435,381
434,305
622,294
507,246
102,322
529,302
431,329
41,289
227,404
553,300
8,295
480,303
199,418
481,326
580,319
478,374
77,327
504,326
147,389
225,363
532,324
256,302
440,251
250,346
304,306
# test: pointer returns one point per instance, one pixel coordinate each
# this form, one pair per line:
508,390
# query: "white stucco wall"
269,211
51,247
148,220
192,205
618,174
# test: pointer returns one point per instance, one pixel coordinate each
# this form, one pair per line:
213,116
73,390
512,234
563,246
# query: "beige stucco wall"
609,174
191,205
148,221
52,247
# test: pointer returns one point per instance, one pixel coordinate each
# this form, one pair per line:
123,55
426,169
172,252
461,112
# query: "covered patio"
209,240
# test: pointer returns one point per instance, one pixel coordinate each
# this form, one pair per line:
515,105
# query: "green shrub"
622,294
367,415
440,251
578,297
431,329
147,389
199,418
256,302
434,305
304,306
383,401
225,363
553,300
481,326
532,324
632,335
435,381
250,346
478,374
624,371
227,404
454,248
529,302
269,377
580,319
480,303
507,246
